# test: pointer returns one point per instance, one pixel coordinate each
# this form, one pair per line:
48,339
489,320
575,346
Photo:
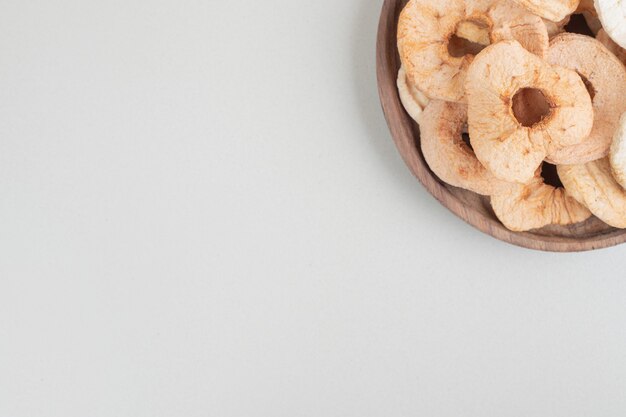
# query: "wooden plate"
474,209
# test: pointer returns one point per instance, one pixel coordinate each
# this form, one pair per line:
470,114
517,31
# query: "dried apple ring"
507,144
612,14
593,185
605,78
413,100
554,10
447,155
522,207
617,156
438,40
617,50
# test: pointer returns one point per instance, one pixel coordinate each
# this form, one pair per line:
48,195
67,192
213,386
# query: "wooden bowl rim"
403,133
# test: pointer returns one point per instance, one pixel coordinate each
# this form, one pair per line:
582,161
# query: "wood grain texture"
474,209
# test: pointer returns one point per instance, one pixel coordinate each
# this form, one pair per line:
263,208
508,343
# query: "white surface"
202,214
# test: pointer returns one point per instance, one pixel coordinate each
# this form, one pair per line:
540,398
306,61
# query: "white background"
202,214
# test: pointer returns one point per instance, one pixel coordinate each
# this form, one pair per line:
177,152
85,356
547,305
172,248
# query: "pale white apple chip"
612,14
413,100
617,157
